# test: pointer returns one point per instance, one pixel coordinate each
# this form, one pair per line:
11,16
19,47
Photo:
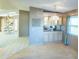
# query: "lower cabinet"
55,36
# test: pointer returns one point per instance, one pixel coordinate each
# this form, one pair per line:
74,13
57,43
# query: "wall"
4,4
36,28
0,24
5,37
72,12
23,23
12,5
73,40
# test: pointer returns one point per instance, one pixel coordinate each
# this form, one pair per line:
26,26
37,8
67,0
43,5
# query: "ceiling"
49,5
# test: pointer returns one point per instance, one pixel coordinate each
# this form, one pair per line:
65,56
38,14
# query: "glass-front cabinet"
52,23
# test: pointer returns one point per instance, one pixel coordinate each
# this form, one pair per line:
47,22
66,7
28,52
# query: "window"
72,25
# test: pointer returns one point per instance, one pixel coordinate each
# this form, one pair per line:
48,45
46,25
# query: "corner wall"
35,26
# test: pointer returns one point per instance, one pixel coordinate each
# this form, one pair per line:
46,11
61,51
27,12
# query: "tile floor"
18,48
11,46
47,51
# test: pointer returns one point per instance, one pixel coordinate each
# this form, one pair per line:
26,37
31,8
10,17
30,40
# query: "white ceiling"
61,5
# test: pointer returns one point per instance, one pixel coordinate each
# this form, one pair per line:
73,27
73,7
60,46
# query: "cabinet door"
60,36
55,36
45,37
50,37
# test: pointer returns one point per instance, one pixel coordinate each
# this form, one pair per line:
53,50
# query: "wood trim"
72,12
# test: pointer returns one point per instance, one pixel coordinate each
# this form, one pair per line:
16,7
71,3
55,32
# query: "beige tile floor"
11,46
47,51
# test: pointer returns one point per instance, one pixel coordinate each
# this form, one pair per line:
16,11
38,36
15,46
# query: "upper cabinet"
52,19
